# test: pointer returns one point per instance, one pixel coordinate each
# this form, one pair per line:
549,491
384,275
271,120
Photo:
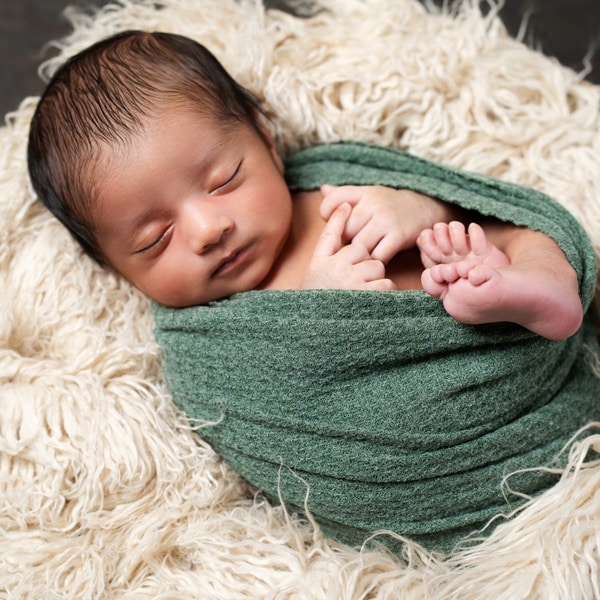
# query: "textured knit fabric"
377,409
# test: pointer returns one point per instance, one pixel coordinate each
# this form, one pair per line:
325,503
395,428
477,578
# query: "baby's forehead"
166,142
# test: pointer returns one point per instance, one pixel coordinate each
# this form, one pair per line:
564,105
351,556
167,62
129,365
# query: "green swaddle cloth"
378,409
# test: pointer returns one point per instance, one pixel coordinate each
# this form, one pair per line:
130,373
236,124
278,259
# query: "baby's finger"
366,234
370,274
332,236
381,285
334,197
388,247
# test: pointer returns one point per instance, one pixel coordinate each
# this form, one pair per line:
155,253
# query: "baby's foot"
478,284
451,256
449,243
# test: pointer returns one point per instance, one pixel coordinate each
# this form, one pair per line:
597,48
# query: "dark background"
566,29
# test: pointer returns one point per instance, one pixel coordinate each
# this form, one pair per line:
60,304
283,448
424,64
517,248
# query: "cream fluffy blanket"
105,491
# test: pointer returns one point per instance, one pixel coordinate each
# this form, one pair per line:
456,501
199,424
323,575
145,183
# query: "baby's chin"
202,300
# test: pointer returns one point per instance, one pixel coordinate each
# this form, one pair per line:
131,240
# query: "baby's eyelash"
229,179
156,243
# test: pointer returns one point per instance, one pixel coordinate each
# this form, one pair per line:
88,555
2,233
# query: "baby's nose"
207,228
213,235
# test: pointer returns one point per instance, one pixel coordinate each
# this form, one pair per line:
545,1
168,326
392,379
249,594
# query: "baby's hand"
383,220
335,265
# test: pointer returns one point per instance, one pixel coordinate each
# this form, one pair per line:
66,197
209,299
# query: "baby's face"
191,211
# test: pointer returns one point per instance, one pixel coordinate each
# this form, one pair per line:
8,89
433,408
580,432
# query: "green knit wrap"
383,409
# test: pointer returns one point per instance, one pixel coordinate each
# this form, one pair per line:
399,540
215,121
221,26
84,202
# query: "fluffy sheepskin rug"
105,490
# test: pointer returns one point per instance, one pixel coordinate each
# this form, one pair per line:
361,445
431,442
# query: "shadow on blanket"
105,490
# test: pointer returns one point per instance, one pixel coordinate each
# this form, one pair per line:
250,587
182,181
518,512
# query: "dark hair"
101,97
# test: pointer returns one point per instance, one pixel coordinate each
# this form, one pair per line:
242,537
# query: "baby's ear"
270,144
278,160
266,136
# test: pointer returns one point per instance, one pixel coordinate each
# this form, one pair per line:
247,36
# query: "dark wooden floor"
567,29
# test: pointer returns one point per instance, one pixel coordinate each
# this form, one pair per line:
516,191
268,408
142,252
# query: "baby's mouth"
230,262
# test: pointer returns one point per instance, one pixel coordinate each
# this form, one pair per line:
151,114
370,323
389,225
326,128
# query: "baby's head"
130,129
